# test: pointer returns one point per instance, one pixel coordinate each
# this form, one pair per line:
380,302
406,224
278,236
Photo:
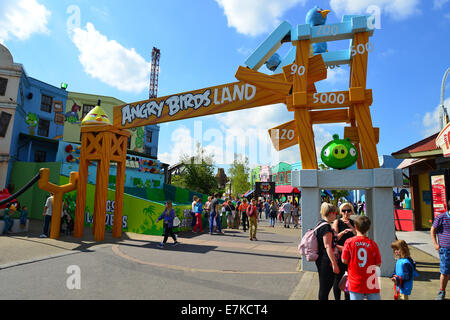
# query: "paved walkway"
274,255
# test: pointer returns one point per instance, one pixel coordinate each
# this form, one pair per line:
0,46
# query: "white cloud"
398,9
255,17
337,75
109,61
431,120
20,19
249,129
438,4
182,144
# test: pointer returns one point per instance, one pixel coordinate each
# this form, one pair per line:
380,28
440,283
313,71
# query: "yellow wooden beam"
264,81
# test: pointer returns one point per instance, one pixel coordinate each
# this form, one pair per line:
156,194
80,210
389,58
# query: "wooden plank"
352,133
317,70
213,100
329,116
321,100
263,81
269,46
284,136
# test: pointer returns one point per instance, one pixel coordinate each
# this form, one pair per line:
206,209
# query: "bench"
15,227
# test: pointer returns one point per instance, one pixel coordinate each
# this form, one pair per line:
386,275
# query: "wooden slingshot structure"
58,192
295,79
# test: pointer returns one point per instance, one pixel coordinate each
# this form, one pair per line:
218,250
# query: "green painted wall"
140,215
34,198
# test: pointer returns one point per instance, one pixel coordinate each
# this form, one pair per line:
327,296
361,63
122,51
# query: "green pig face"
339,153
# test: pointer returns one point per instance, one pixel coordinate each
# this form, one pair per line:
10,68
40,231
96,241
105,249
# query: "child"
405,270
23,217
9,211
168,215
363,257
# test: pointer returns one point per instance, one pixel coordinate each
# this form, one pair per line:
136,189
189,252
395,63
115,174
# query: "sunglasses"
347,210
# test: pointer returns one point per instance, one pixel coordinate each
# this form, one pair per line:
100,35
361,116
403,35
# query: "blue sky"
106,50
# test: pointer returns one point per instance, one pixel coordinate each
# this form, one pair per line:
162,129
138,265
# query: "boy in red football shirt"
363,258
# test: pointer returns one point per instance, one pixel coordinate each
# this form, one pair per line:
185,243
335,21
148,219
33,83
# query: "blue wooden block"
288,59
339,57
301,32
349,17
332,32
359,24
269,46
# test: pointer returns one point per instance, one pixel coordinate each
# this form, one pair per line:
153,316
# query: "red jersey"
363,256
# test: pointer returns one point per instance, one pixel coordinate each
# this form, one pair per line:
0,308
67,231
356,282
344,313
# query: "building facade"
282,174
143,141
38,121
31,117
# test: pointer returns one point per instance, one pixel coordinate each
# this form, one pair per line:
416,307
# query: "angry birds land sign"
339,153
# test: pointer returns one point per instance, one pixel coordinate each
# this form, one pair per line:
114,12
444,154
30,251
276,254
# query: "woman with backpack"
328,255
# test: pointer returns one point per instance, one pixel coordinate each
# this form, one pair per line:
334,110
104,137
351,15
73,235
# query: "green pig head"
339,153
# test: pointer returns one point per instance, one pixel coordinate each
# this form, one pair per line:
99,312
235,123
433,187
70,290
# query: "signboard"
224,98
438,190
284,136
443,141
264,188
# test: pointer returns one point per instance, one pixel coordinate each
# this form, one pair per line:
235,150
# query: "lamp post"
443,115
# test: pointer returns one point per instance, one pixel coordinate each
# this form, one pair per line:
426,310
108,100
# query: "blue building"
24,98
35,127
151,141
39,142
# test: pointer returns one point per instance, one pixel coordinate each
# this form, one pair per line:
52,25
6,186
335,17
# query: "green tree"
198,174
338,194
239,173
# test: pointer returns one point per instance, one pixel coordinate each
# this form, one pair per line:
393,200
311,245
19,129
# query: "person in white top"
48,209
194,218
287,213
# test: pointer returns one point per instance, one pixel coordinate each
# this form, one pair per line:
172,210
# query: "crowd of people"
244,213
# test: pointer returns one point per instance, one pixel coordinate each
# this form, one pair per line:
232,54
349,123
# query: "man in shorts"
441,229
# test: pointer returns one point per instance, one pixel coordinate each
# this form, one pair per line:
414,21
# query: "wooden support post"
359,161
366,136
302,116
101,187
306,139
83,171
358,78
300,82
120,186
